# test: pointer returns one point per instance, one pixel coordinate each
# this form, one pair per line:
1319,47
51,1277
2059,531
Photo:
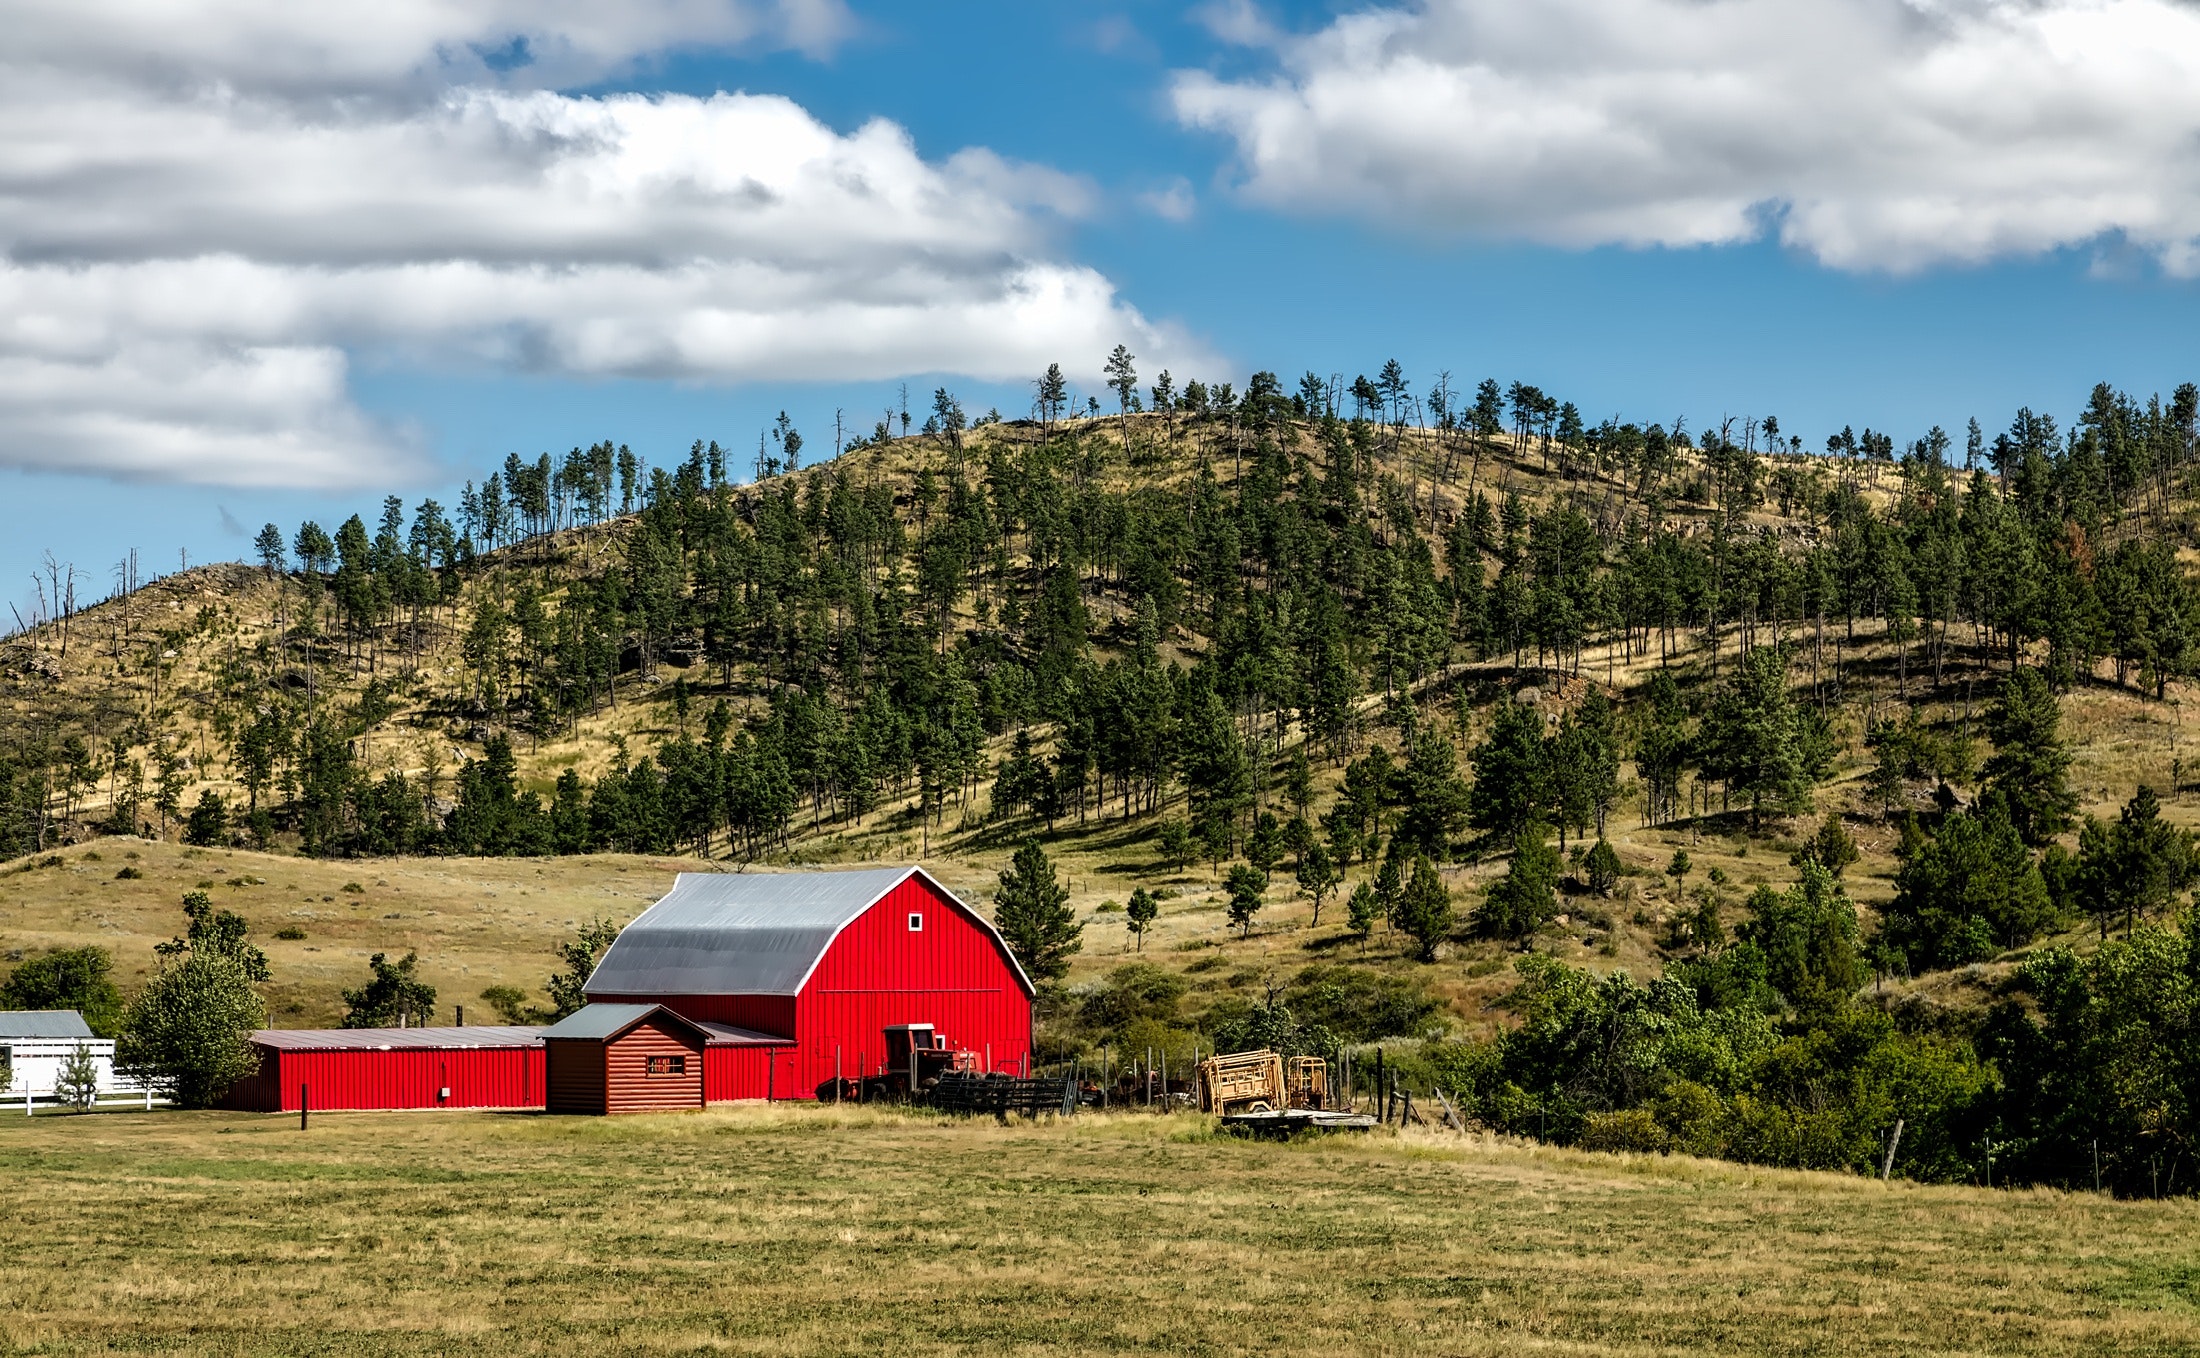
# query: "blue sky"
1339,191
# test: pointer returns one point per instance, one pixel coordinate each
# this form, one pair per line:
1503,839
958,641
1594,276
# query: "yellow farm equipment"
1262,1082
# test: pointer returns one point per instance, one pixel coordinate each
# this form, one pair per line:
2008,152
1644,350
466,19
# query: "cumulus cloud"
1874,135
198,239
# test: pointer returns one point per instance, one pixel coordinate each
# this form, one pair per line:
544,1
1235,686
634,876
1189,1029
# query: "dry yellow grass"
802,1230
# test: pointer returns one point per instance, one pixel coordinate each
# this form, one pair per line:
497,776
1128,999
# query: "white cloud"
1888,135
197,237
319,51
1172,202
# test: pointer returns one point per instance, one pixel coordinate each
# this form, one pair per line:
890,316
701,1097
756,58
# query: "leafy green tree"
1678,869
581,953
68,978
1966,894
1318,876
1141,913
394,996
1526,897
1031,909
1424,907
1247,886
2098,1065
186,1034
1808,935
2030,769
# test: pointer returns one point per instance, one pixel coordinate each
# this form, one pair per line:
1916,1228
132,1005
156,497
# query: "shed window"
668,1065
916,923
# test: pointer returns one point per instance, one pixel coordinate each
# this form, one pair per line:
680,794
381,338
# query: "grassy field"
803,1230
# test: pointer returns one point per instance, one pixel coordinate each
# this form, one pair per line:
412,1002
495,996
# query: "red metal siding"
731,1073
950,974
488,1077
773,1014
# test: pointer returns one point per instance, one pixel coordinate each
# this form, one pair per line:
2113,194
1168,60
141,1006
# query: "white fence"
31,1103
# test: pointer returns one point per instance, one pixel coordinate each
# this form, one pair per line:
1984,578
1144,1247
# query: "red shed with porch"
795,977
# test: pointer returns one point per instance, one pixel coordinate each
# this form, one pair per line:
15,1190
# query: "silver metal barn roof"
756,933
47,1023
602,1022
396,1039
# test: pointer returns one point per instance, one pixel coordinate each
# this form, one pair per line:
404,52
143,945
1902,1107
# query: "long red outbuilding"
792,980
339,1068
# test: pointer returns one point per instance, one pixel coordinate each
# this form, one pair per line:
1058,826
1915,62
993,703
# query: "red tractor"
916,1057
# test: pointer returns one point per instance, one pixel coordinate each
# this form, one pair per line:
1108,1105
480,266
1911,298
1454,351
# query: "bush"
509,1001
1362,1005
1627,1129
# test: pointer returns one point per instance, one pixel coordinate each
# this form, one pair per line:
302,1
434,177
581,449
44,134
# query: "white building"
34,1043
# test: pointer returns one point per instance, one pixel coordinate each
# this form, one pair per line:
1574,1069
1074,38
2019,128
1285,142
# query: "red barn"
797,976
393,1068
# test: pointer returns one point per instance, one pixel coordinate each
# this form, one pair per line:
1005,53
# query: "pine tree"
1317,876
1434,796
1424,907
1362,911
1031,909
1247,886
2030,769
1520,902
1141,913
1752,740
1510,771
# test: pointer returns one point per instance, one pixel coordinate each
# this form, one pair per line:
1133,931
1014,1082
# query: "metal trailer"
1262,1082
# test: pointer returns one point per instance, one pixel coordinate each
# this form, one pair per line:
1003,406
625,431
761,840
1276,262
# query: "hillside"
1135,640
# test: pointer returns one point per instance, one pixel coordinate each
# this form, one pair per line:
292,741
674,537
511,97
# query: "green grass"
804,1230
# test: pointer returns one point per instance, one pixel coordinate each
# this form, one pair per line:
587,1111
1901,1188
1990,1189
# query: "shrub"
1627,1129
